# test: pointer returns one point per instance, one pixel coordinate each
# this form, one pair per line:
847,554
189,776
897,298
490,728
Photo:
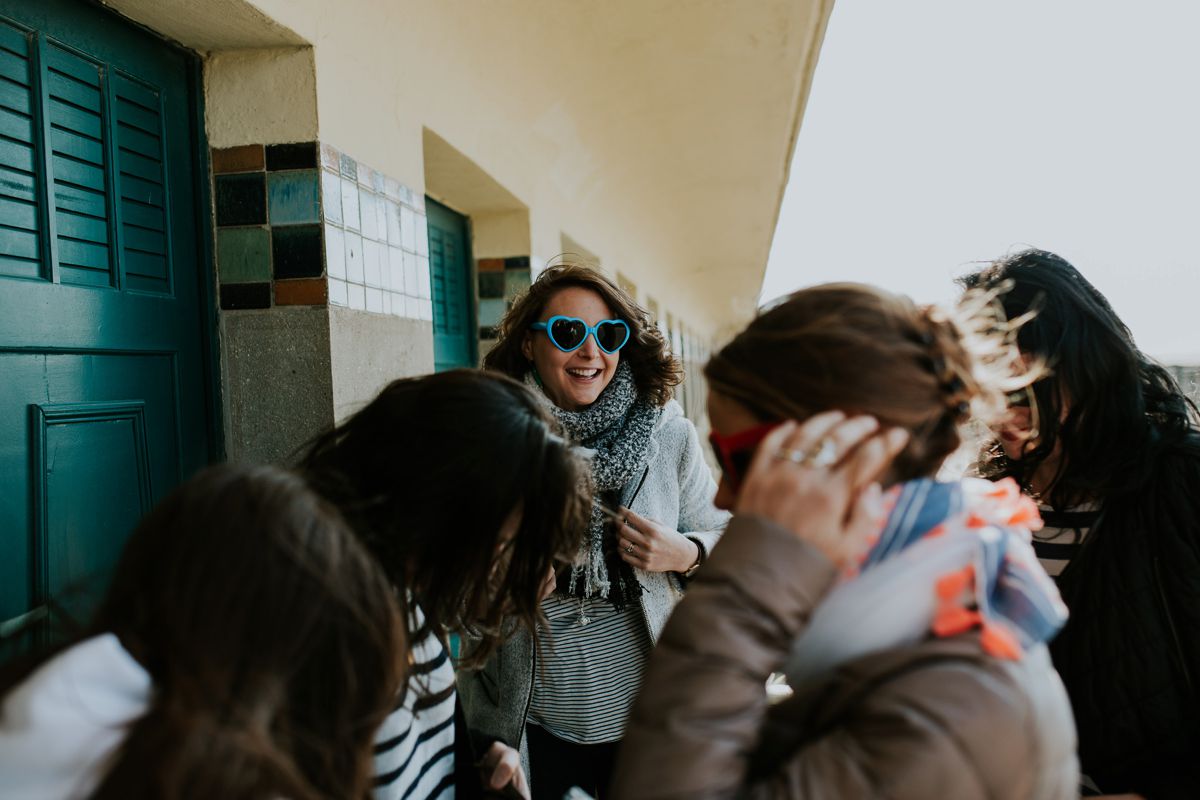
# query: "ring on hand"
629,548
822,455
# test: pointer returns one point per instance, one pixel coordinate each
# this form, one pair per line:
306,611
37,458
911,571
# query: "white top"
1061,537
588,674
414,748
59,728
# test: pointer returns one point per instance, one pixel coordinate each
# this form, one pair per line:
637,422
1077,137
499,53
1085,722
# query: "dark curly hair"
655,370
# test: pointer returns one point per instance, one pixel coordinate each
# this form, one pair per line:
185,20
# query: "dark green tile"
491,284
297,251
243,255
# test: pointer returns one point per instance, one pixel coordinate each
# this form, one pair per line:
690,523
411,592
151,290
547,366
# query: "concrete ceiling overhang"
693,108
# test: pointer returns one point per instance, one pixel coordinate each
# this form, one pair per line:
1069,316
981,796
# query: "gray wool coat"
678,493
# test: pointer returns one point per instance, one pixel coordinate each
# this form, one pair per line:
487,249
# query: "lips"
583,374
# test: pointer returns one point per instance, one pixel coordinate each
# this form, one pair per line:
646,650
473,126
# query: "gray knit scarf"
617,429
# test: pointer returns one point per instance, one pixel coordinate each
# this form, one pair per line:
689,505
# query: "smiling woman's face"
572,380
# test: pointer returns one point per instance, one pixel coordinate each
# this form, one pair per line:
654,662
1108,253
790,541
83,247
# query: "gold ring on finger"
794,455
822,456
629,548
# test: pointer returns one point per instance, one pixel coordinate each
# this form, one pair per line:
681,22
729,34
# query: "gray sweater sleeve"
698,517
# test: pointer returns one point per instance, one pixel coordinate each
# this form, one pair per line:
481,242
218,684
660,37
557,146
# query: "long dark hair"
860,349
655,371
1109,408
271,637
429,472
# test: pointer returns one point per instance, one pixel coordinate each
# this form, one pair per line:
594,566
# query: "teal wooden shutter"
454,329
103,368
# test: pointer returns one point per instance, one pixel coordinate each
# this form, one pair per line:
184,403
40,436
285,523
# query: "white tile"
354,258
358,297
421,234
427,309
408,229
387,302
423,289
350,204
397,304
385,269
391,188
412,283
393,222
381,218
412,307
338,292
331,197
370,223
375,300
396,267
335,252
371,258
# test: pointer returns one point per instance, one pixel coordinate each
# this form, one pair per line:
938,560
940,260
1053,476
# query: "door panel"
103,391
454,329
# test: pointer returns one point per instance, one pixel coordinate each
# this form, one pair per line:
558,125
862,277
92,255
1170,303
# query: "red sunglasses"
735,452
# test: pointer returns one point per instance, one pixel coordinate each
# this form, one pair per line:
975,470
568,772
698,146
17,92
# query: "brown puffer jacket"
937,720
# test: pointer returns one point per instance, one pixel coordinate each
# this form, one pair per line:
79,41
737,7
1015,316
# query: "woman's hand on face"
501,771
835,507
649,546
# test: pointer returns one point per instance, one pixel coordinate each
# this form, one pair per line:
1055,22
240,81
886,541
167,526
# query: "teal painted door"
454,328
103,389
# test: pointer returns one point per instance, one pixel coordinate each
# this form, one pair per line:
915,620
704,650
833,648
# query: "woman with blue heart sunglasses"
569,333
606,374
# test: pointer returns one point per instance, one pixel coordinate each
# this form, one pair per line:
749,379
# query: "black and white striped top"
1061,536
414,748
589,673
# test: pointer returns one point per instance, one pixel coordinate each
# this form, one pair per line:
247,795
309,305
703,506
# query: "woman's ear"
527,346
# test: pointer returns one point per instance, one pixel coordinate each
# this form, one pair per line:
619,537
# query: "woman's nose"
589,348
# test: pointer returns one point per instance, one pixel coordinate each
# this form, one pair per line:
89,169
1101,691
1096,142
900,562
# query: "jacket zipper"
1166,607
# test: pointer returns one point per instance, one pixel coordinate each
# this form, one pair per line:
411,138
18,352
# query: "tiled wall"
500,281
302,224
376,244
268,226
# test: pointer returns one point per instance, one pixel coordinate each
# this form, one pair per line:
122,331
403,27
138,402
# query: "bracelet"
700,556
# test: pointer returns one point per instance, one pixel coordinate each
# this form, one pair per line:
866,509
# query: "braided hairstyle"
863,350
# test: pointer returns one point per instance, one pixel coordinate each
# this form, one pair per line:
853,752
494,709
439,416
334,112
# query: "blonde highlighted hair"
863,350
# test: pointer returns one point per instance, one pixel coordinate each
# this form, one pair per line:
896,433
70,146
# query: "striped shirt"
414,748
589,674
1062,535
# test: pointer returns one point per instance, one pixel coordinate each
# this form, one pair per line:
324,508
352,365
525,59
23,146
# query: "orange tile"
491,265
306,292
247,158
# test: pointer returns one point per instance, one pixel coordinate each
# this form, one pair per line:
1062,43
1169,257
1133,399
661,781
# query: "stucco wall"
276,374
369,351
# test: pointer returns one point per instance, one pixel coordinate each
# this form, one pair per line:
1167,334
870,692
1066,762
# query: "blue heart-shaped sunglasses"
569,333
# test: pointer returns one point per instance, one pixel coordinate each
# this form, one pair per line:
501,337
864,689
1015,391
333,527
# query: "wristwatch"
700,554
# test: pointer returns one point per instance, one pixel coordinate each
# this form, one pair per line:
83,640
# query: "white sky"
944,132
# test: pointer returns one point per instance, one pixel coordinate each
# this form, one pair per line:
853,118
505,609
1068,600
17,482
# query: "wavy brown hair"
271,637
428,473
862,350
655,370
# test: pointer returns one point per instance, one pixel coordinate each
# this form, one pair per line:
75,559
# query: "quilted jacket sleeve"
703,705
